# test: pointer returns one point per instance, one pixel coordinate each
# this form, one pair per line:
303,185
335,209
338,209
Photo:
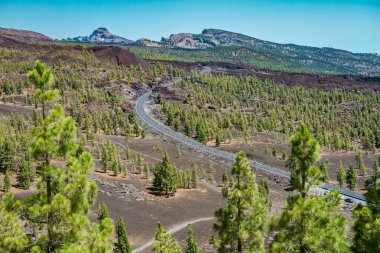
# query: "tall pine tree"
123,245
55,216
367,218
351,177
242,223
304,153
165,176
191,242
309,223
164,242
341,176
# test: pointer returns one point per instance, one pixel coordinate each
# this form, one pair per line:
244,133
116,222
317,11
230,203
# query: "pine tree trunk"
50,232
303,184
49,194
240,246
43,110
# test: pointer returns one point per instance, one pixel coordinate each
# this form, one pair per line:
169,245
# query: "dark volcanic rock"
118,55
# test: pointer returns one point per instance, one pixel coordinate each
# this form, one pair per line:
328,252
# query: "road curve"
172,231
140,111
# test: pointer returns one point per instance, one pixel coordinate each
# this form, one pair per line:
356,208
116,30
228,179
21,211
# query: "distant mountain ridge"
100,36
225,46
313,57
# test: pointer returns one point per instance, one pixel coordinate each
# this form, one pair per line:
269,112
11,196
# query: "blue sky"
353,25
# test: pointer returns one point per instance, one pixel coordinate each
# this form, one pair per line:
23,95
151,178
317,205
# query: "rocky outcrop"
146,43
101,36
190,41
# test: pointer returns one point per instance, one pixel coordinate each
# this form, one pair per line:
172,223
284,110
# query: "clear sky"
353,25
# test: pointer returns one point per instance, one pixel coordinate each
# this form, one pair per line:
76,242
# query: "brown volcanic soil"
113,54
22,36
118,55
322,81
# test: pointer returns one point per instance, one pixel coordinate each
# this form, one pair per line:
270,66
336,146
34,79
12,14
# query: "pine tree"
242,223
103,212
184,179
310,225
146,171
115,167
136,130
189,179
264,192
83,141
178,152
367,218
274,152
284,155
59,206
127,153
351,177
59,140
25,174
159,98
218,140
375,174
140,164
194,178
225,177
7,181
123,245
225,184
165,176
325,174
143,133
304,153
201,134
180,177
105,157
12,235
341,176
132,118
192,244
203,170
164,242
266,149
127,130
360,162
7,155
43,79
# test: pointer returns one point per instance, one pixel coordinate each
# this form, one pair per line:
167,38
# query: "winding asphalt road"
140,111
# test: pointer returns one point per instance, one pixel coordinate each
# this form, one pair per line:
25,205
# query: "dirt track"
173,230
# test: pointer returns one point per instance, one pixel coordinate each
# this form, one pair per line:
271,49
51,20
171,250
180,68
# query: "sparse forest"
217,106
69,133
